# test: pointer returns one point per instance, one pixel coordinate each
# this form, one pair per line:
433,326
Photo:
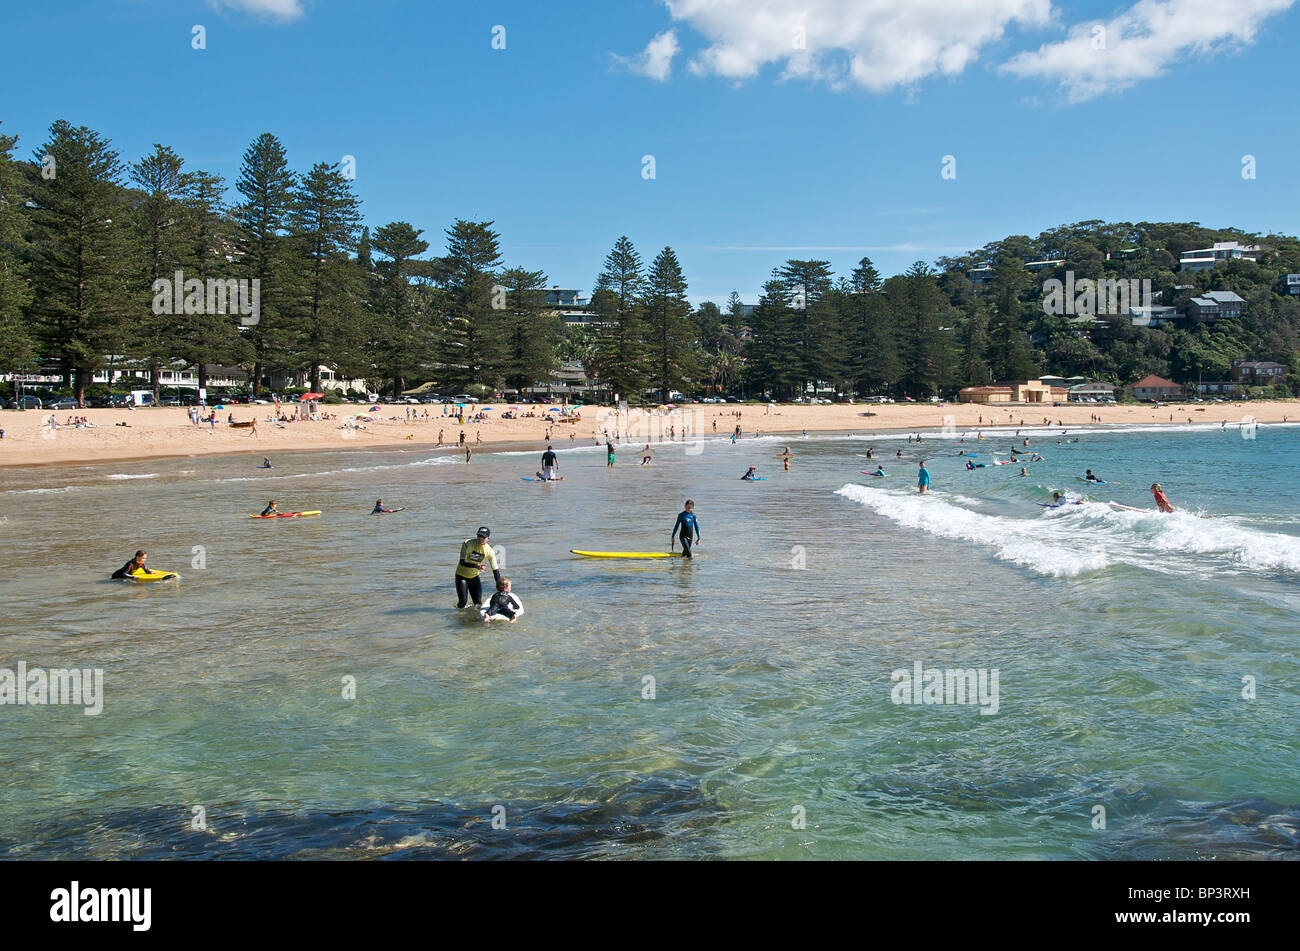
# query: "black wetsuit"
686,521
505,604
125,570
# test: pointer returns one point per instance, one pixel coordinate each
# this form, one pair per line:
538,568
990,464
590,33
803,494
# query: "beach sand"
162,432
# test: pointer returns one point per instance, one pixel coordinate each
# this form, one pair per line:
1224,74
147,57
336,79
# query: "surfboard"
1127,508
1093,481
265,467
142,577
287,514
878,475
755,479
625,554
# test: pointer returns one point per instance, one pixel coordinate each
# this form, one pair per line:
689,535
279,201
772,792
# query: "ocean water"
738,706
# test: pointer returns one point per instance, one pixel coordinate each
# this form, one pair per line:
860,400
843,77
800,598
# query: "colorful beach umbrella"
310,396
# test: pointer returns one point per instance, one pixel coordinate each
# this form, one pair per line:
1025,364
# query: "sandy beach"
163,432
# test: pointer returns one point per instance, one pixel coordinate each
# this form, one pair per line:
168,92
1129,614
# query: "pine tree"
621,360
919,302
807,283
209,254
532,330
266,183
16,345
670,331
403,335
159,220
475,345
323,226
81,253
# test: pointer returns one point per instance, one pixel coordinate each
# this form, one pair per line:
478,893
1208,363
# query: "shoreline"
166,433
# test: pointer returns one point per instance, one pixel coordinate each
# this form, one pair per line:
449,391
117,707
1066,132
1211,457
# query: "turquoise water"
1120,640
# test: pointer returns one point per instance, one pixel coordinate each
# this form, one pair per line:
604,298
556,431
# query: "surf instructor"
550,464
475,555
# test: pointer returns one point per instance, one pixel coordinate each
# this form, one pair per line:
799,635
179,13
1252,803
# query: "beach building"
981,274
1217,387
1152,316
1157,388
1016,391
1258,372
1044,265
1214,305
1206,258
1292,284
1092,393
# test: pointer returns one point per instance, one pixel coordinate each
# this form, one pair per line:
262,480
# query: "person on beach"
1162,500
379,508
270,508
686,524
503,604
922,478
462,437
440,432
475,555
135,564
748,476
550,464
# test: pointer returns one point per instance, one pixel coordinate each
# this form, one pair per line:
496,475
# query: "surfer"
974,465
135,564
646,453
266,463
749,476
609,454
1162,500
786,457
922,478
686,524
880,470
475,555
550,464
379,508
270,509
1024,471
503,604
1089,477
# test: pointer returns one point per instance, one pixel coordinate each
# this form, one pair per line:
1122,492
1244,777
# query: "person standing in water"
686,524
475,555
922,478
786,457
1162,500
550,464
609,454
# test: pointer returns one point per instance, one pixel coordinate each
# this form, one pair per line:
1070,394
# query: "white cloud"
275,9
876,44
1111,55
656,60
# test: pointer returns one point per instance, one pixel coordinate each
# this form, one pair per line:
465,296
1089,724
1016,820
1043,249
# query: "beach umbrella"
670,406
553,409
374,409
310,396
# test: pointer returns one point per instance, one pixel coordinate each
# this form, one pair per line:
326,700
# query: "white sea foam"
123,475
1072,540
1046,554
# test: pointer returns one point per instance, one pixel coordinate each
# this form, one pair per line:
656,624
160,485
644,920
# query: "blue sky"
768,142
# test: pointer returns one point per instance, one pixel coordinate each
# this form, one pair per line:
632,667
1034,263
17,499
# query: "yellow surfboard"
143,576
288,514
626,554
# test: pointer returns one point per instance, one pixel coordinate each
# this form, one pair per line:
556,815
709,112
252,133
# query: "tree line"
85,239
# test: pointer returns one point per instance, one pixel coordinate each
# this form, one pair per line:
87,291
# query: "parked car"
29,402
465,398
66,402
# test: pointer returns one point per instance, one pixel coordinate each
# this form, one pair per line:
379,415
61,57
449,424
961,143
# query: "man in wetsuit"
550,464
135,564
475,555
686,524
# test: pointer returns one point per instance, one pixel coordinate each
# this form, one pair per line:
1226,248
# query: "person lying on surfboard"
380,510
271,509
503,604
1090,477
1162,500
135,564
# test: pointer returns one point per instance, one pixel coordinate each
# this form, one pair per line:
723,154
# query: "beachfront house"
1016,391
981,274
1292,284
1044,265
1206,258
1092,393
1258,372
1214,305
1157,388
1217,388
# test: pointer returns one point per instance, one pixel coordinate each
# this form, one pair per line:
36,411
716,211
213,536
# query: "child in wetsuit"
135,564
503,604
